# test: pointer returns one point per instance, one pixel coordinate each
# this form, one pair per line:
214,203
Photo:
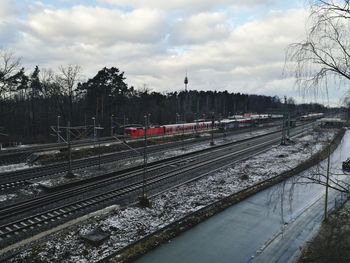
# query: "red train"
135,132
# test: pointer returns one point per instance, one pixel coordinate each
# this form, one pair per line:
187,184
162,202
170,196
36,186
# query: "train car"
228,124
189,127
245,122
276,116
311,116
135,132
231,124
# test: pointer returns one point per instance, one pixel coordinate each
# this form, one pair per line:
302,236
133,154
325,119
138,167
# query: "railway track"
16,179
14,158
17,155
161,166
160,175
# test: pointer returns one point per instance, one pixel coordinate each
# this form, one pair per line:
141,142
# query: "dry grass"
332,243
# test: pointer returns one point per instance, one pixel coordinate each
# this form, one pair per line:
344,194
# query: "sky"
233,45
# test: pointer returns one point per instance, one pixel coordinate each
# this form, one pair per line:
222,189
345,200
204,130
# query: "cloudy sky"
234,45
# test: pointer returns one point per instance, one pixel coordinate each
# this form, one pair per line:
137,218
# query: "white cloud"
185,5
200,28
250,59
97,26
8,22
8,9
155,46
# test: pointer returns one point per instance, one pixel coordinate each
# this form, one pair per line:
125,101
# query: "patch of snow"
6,197
15,167
48,152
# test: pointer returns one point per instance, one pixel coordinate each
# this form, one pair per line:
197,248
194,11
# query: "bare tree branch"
326,50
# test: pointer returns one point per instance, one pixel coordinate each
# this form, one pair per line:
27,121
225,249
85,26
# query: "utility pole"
112,125
197,115
93,118
144,157
85,124
99,147
99,155
69,173
212,130
58,129
124,122
143,199
327,181
288,127
197,132
283,140
183,136
288,124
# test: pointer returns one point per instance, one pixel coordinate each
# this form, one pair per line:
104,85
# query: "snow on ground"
92,171
132,223
31,190
6,197
15,167
122,164
20,145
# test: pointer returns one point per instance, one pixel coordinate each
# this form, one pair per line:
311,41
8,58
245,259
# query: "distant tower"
186,81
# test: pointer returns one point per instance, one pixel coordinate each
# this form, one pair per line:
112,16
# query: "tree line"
31,102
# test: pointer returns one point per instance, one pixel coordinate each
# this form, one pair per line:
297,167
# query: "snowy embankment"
129,224
10,168
15,167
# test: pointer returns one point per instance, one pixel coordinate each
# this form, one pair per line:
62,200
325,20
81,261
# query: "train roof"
229,120
235,120
176,125
186,124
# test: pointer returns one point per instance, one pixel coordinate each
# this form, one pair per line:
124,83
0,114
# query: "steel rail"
8,182
135,171
39,219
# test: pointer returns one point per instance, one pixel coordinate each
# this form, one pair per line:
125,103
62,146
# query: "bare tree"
322,57
68,78
9,69
325,53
